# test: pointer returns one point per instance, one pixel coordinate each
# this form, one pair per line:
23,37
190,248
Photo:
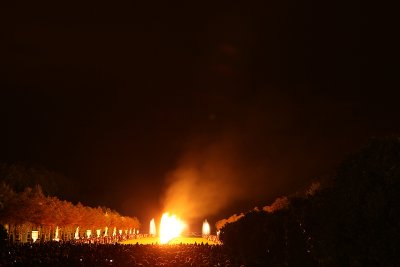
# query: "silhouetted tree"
359,215
353,222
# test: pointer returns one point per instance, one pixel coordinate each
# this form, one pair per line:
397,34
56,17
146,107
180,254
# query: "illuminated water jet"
56,235
77,233
206,229
35,235
153,230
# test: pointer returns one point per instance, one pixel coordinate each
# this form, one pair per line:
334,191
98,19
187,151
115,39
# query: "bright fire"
170,227
153,230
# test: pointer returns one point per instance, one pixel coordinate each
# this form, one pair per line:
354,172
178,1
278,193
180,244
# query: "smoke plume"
206,181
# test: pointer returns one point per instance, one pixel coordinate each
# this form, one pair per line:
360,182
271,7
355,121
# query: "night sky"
257,98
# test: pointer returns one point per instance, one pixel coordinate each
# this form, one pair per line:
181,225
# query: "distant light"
77,233
56,237
35,235
153,230
206,228
88,233
120,232
98,231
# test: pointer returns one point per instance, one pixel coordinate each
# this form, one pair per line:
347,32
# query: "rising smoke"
259,149
209,180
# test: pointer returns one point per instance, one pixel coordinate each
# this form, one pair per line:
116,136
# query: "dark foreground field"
68,254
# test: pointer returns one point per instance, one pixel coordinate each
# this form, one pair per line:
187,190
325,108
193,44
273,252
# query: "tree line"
351,219
30,209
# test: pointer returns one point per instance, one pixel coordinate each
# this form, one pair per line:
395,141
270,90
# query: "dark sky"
119,97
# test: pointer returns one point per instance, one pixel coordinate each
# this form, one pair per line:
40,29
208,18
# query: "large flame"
170,227
153,230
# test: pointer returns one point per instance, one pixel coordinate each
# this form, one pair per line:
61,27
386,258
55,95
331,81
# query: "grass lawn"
178,240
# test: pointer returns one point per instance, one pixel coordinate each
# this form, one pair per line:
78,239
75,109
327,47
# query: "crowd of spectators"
83,254
107,239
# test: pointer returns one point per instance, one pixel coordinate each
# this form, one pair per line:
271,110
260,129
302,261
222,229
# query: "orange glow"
170,227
